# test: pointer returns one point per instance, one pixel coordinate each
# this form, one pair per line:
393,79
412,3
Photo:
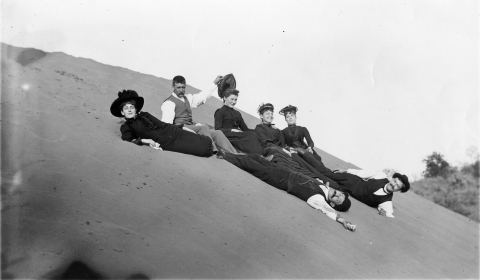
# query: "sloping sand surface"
73,190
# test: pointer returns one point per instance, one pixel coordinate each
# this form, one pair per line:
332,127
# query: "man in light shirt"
372,188
313,191
177,110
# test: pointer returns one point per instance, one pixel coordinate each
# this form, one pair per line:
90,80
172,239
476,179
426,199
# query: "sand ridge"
72,190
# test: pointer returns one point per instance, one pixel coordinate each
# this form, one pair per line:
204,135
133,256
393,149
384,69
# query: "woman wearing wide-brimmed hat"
142,128
230,121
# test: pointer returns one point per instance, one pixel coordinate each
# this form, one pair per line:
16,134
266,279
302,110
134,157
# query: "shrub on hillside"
458,192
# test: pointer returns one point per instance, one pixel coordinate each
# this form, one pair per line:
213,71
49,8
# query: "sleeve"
168,112
388,207
129,135
155,120
243,126
282,143
262,135
200,98
307,136
318,202
219,114
368,174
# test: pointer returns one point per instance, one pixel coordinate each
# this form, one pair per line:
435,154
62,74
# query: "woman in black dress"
294,135
231,123
143,128
273,142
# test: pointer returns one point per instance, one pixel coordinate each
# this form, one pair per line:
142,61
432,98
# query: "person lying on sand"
143,128
315,193
372,188
177,110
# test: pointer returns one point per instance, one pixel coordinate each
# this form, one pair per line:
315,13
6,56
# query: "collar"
176,96
325,190
385,189
268,124
292,125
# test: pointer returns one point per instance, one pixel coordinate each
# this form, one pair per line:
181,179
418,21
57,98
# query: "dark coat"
227,118
269,135
294,136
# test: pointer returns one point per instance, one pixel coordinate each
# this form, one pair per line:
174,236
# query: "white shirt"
318,202
195,100
367,175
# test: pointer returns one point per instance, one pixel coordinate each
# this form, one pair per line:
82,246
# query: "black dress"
169,136
247,141
294,136
273,143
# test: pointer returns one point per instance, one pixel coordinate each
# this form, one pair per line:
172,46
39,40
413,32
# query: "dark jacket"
269,135
164,133
227,118
362,190
294,136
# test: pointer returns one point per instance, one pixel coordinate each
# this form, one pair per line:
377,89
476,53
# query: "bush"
457,191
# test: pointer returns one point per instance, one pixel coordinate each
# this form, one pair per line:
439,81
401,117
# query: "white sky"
381,84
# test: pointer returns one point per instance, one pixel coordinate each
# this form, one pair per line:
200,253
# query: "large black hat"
123,96
289,108
227,82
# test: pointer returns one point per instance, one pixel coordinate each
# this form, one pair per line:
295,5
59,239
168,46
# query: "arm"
263,135
307,136
200,98
386,209
219,115
156,121
367,174
318,202
168,112
243,126
129,135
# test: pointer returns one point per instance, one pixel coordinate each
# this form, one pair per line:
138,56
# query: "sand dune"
73,191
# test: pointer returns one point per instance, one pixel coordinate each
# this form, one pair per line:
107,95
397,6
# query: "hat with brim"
123,96
345,205
289,108
228,82
263,107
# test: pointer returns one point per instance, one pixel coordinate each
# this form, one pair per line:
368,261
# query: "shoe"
269,157
221,153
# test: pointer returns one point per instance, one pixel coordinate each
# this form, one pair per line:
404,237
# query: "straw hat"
287,109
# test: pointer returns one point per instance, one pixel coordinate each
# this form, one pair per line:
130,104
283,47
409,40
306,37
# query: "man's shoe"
269,157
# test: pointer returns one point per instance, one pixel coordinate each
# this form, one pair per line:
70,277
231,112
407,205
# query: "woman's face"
129,111
290,118
231,100
267,117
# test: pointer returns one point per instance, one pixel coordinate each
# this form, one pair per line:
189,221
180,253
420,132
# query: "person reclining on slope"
372,188
316,194
177,110
143,128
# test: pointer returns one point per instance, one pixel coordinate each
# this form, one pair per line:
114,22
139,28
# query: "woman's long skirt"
245,141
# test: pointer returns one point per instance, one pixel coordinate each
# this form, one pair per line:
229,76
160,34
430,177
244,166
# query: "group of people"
281,158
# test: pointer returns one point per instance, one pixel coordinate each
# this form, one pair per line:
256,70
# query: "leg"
203,130
319,175
318,165
222,141
249,165
192,144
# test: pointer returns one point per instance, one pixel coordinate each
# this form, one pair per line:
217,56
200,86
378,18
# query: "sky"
380,84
